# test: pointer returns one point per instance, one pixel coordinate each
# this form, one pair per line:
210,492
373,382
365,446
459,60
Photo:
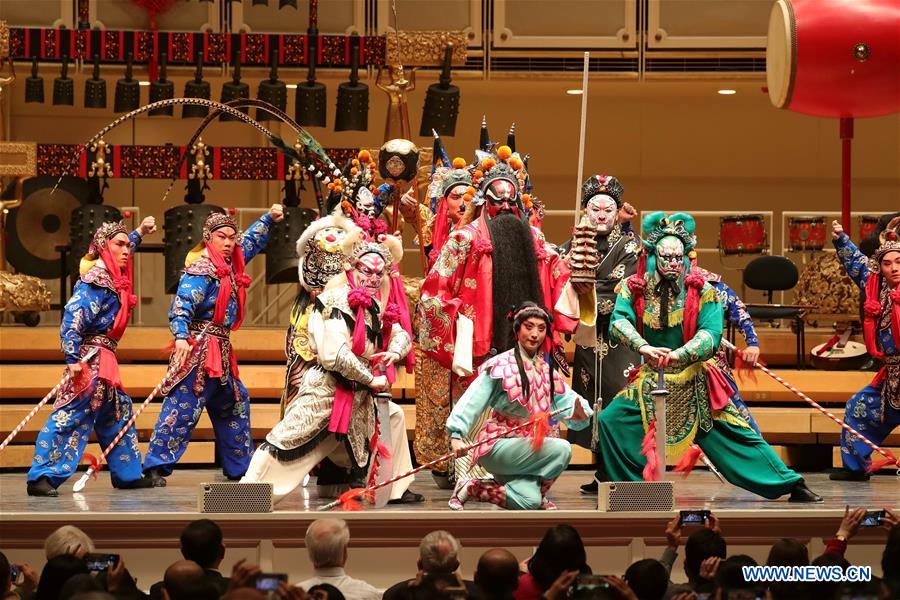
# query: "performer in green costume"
673,318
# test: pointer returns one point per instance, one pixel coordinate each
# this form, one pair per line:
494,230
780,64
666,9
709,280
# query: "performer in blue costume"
203,369
875,410
92,399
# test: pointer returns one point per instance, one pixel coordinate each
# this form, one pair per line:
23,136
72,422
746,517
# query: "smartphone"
269,582
873,518
100,562
590,582
694,517
13,574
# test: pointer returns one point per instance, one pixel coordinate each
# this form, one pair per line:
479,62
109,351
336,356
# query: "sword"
383,465
660,395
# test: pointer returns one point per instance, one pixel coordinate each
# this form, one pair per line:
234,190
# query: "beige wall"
674,146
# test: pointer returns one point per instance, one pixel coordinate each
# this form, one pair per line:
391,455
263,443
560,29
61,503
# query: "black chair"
772,274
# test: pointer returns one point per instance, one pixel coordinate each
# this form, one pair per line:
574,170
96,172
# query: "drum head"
781,53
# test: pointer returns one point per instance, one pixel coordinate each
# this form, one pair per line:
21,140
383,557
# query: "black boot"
408,497
590,489
848,475
801,493
137,484
42,487
155,477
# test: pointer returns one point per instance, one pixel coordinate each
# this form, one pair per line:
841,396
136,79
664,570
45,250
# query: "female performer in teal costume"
515,385
203,368
673,318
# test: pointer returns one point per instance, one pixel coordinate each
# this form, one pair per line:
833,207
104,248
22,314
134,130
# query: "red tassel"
880,464
93,463
688,460
648,449
350,500
743,369
539,430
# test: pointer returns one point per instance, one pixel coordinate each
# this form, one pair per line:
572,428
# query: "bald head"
181,575
497,573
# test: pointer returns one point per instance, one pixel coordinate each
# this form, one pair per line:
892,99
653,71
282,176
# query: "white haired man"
326,544
438,567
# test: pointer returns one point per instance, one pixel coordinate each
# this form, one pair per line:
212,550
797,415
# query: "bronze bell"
441,102
34,85
128,91
95,88
64,86
162,89
234,89
196,88
311,95
353,97
273,91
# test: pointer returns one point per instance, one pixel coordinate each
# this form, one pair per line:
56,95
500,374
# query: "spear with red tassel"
349,500
889,458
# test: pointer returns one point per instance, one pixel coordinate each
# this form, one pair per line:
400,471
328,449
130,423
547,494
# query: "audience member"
27,580
560,550
648,579
201,542
438,561
326,542
497,574
80,584
93,596
325,591
788,552
179,578
890,558
6,582
68,539
56,573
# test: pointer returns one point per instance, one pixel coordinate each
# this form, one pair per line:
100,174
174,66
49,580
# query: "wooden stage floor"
160,513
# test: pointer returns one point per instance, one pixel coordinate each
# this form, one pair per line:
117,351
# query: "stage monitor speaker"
636,496
235,498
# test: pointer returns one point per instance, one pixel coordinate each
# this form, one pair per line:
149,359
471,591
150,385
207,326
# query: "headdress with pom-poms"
446,178
489,167
358,174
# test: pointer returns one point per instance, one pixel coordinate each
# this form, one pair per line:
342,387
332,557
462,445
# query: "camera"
873,518
100,562
269,582
694,517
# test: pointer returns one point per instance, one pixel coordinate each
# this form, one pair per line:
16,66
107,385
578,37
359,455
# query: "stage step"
267,381
266,344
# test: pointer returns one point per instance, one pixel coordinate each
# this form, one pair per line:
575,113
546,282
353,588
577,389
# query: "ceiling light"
727,92
577,92
143,83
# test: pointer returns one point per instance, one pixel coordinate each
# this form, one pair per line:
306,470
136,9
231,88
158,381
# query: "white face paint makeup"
365,202
602,212
670,258
370,270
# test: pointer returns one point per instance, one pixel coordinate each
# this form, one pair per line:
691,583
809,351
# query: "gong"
41,223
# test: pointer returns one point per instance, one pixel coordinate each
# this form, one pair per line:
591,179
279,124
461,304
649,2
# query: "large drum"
834,58
806,233
868,226
742,234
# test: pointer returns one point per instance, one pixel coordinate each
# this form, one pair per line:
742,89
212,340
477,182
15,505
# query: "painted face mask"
369,271
670,258
602,212
365,202
501,197
330,238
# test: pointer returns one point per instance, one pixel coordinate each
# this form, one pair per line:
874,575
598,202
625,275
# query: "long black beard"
665,289
515,274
